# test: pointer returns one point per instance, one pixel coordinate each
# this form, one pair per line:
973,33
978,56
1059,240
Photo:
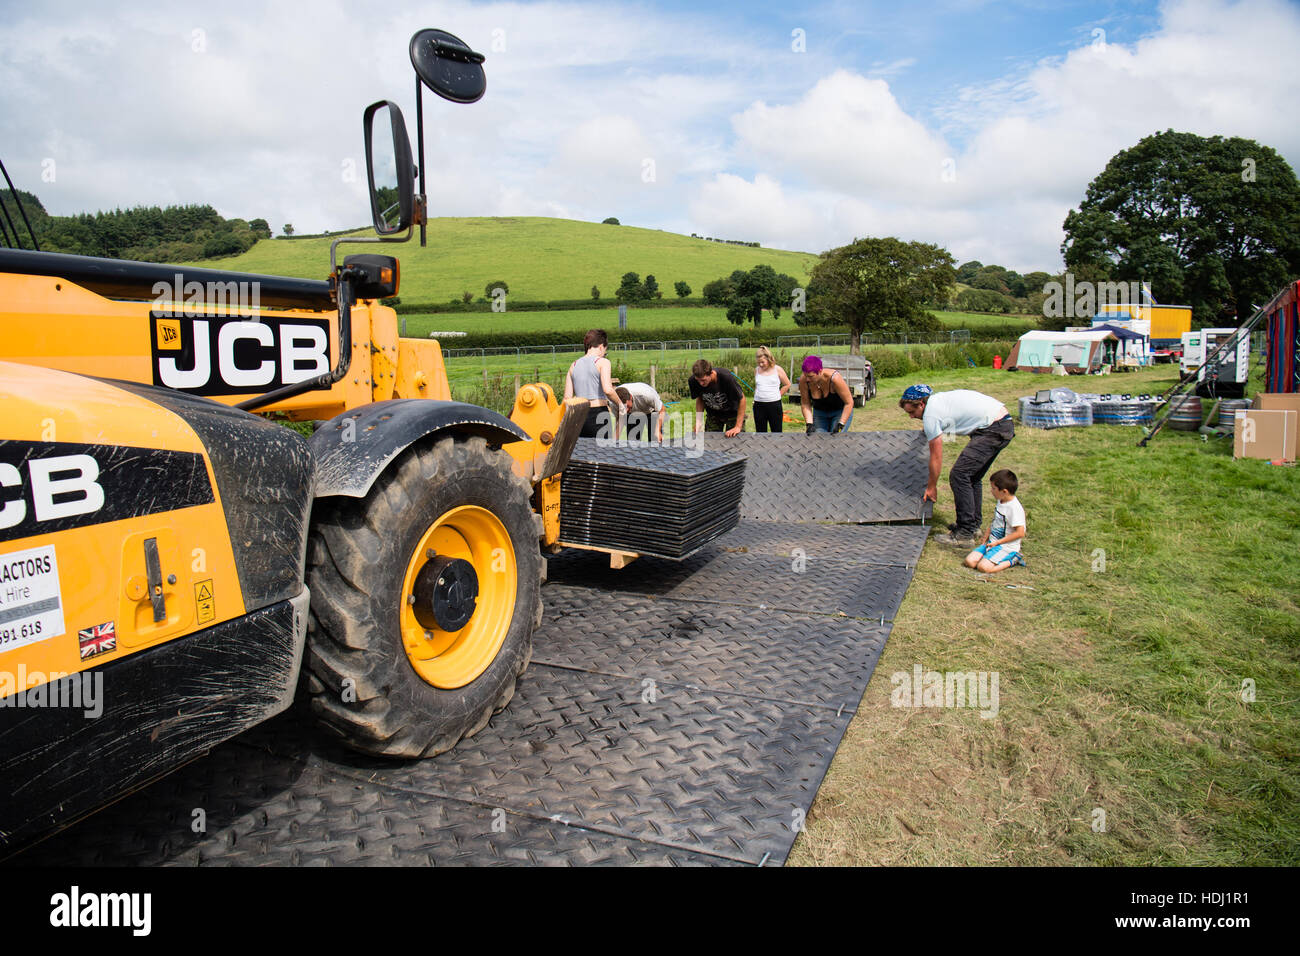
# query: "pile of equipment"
1125,409
662,500
1055,408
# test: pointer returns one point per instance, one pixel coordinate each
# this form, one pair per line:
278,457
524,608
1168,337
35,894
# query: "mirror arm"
344,295
419,145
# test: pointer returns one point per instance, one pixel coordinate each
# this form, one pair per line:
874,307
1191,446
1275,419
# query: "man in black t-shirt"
718,399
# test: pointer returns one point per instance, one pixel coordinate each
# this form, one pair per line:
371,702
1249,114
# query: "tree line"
145,233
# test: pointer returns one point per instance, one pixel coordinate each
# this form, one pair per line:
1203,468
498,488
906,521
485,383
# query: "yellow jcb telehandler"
169,560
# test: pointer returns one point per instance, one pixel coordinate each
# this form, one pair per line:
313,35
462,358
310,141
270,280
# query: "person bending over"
637,402
825,397
960,412
719,399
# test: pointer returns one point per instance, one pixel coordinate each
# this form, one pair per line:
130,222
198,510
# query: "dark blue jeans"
824,421
966,479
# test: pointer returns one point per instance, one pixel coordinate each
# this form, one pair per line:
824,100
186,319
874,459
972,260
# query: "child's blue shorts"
997,553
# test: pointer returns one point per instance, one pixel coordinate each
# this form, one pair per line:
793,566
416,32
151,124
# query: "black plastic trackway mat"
244,806
776,655
860,476
896,545
810,584
664,763
576,759
677,713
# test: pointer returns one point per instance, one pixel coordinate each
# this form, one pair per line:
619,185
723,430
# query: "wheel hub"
446,594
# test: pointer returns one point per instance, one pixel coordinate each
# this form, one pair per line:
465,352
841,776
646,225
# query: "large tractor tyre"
424,598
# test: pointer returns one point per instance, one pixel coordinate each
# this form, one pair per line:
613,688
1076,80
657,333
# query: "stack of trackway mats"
661,500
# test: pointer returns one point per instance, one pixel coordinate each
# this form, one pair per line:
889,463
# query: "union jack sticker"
99,639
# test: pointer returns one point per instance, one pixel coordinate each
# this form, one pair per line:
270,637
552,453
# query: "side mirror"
389,167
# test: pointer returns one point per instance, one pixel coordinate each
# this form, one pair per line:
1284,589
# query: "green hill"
539,258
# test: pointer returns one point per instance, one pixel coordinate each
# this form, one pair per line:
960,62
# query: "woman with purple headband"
825,397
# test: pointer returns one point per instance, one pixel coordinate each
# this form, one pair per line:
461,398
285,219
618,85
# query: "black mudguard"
123,725
264,473
352,450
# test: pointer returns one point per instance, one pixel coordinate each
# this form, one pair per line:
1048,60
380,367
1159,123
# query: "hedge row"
748,337
893,363
996,331
521,305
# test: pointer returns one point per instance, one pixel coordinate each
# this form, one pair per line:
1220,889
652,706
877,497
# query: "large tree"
631,289
878,285
751,292
1212,223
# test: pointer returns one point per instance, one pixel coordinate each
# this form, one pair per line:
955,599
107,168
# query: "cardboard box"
1269,434
1273,401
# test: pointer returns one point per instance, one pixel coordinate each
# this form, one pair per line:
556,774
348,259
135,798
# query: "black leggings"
598,424
767,414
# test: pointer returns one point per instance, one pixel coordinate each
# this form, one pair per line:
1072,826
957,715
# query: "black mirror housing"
381,205
375,277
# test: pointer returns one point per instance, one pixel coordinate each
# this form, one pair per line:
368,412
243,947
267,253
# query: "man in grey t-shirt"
638,402
961,412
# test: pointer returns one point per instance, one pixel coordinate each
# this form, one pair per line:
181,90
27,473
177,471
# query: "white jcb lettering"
231,373
285,354
45,486
11,512
292,353
196,377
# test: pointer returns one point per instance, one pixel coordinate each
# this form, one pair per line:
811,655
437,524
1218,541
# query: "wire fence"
490,376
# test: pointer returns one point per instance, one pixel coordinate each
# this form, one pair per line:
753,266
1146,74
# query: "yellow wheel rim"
451,659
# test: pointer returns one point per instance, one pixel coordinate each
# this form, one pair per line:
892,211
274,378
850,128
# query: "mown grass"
1121,684
539,258
651,321
543,259
711,322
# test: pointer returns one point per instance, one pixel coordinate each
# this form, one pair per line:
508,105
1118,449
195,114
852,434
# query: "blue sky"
973,125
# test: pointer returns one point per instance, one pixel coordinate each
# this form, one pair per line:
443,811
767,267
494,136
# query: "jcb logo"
70,478
54,486
230,355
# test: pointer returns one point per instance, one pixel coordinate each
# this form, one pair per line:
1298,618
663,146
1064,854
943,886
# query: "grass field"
490,380
649,321
539,258
1159,580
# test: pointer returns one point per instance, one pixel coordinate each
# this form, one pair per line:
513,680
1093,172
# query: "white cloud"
862,165
749,140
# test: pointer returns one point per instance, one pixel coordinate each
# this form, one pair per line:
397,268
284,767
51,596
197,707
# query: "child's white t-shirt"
1009,515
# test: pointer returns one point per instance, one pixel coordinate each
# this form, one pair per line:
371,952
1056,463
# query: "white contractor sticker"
31,606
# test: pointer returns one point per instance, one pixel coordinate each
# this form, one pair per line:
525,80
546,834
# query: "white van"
1233,366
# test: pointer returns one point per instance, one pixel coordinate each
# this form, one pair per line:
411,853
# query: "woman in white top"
770,385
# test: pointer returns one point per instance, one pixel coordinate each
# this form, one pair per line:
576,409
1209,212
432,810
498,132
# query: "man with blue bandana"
961,412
